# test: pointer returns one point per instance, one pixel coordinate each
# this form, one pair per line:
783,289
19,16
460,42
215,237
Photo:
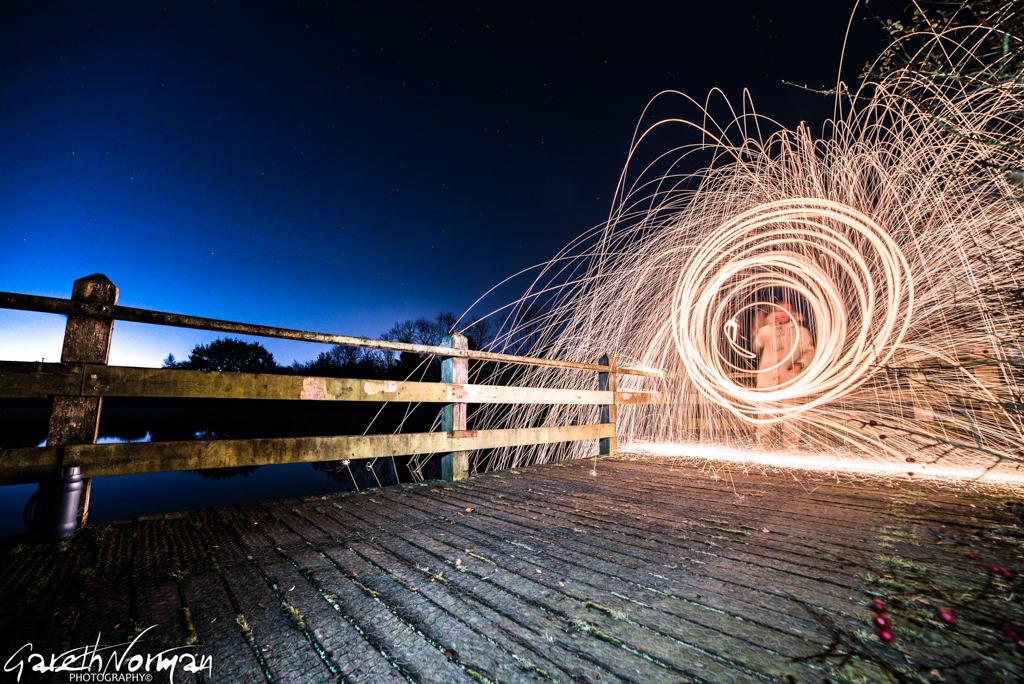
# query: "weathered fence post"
606,382
455,371
76,420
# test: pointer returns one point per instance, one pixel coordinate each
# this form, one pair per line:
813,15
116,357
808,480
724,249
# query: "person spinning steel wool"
786,349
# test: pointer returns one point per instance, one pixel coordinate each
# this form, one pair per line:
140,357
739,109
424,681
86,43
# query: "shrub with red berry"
930,618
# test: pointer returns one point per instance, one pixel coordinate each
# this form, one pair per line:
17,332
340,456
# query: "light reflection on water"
117,440
130,496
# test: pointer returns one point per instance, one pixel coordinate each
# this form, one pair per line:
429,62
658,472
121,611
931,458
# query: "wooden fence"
80,381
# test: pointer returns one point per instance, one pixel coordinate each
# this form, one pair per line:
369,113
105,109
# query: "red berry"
881,436
910,459
886,636
910,474
995,569
1009,631
881,621
872,423
1007,574
988,230
877,606
946,615
971,555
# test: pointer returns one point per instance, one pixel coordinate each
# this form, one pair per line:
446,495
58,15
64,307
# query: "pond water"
130,496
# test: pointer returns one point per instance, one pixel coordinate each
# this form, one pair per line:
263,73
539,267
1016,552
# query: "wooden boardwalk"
646,572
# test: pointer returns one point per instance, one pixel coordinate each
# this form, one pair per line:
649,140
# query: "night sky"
340,167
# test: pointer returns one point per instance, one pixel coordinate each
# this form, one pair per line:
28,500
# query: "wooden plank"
547,546
495,394
633,398
21,379
30,379
607,382
165,382
76,419
27,466
12,300
455,371
644,373
18,466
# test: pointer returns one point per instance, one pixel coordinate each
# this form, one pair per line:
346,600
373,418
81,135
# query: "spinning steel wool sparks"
889,235
830,254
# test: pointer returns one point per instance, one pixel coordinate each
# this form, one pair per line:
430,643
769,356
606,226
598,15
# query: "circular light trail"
849,270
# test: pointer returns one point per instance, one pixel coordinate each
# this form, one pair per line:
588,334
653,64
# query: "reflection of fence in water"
83,378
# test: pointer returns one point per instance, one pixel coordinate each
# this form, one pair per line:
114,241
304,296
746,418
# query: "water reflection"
111,439
130,496
24,424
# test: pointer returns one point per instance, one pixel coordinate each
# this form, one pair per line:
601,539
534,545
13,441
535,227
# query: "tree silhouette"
419,331
229,355
343,362
478,332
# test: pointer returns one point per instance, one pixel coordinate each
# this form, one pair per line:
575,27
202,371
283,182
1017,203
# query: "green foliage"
942,52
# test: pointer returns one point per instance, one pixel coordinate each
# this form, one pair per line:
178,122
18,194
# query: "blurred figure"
786,349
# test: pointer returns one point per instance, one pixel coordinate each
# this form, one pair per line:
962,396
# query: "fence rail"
21,379
21,466
70,307
79,383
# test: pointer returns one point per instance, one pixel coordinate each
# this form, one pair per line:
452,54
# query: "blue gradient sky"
338,166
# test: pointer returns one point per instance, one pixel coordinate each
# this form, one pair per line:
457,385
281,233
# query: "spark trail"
891,231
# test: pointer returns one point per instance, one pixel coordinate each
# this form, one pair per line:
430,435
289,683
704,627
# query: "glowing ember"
825,462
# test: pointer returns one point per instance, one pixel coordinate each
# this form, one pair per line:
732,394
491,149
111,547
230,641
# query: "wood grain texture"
25,379
455,372
19,466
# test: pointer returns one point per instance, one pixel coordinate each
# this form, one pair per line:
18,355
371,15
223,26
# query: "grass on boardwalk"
644,572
